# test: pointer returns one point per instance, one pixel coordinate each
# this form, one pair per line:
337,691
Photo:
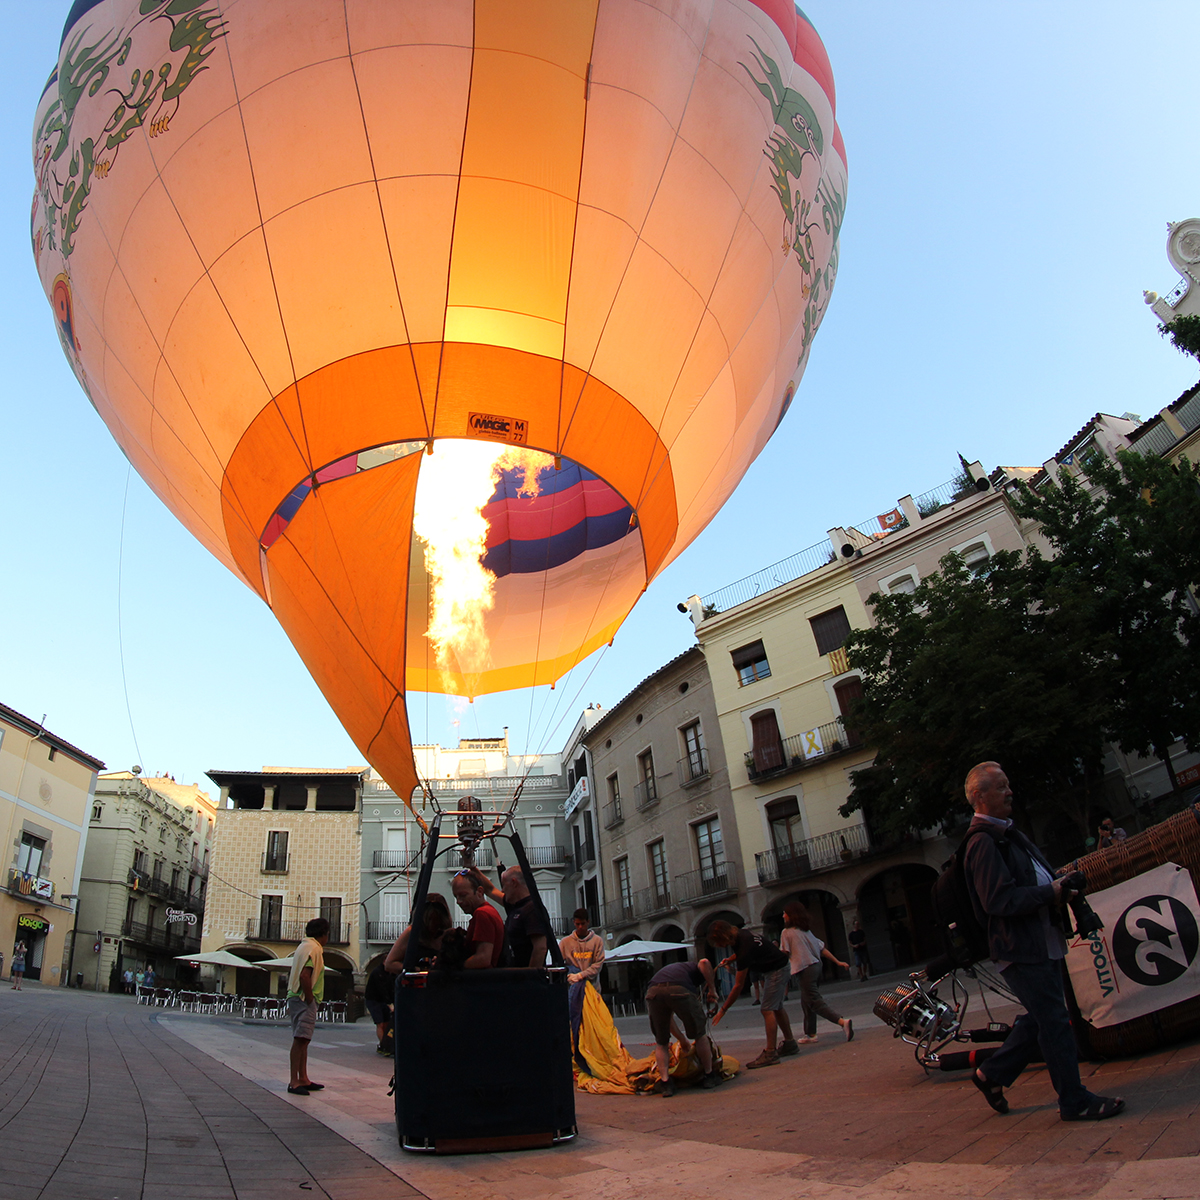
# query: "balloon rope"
120,635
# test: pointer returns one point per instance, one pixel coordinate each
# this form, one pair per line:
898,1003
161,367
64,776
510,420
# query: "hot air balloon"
334,269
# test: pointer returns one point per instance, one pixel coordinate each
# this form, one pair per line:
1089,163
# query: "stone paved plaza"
101,1098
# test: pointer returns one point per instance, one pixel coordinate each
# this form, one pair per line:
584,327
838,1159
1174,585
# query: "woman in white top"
806,950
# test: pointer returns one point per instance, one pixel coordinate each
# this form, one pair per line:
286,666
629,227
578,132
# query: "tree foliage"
1184,333
1041,660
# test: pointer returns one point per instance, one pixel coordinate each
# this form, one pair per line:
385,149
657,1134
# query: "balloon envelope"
290,246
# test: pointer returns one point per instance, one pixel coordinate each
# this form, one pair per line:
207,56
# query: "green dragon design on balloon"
798,138
70,161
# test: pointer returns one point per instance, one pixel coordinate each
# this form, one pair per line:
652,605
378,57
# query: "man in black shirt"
675,992
752,952
525,936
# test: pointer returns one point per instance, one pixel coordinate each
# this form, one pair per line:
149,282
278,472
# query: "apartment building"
668,841
582,814
145,878
287,849
46,791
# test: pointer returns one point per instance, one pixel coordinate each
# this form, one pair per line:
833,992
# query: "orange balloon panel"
288,245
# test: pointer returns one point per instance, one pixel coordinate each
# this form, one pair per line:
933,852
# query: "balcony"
484,857
708,883
653,900
275,864
579,793
179,939
554,856
800,751
585,854
612,814
821,853
693,767
21,883
645,794
390,860
258,930
619,912
385,931
154,885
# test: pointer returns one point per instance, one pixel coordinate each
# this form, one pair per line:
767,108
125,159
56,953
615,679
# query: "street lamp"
74,934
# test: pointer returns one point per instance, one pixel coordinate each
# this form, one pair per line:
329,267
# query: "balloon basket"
483,1061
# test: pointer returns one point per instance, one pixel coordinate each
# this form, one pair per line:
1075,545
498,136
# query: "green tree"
969,668
1126,542
1043,659
1184,333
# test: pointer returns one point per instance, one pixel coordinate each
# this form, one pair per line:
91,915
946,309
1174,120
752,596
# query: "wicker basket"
1177,840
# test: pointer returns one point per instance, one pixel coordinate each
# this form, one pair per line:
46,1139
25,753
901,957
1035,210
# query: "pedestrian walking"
18,965
1016,898
858,944
127,980
805,951
752,952
139,978
150,977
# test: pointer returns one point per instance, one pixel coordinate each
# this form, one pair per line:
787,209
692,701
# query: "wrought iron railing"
645,794
259,930
612,814
697,887
801,750
275,864
694,766
554,856
619,912
820,853
22,883
385,931
793,567
390,860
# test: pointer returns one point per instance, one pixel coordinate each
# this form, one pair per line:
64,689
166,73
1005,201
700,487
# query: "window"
270,917
144,821
130,911
709,848
658,871
139,861
97,811
174,879
768,745
830,629
158,868
693,750
646,770
787,830
29,856
624,890
51,753
276,857
750,663
393,911
976,556
162,833
905,582
331,910
614,793
847,692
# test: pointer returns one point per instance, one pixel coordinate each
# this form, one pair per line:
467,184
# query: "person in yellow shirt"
306,989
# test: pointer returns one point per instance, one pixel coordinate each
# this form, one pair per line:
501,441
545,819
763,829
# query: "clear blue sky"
1012,168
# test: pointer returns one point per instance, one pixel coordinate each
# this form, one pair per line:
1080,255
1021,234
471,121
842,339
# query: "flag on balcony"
890,520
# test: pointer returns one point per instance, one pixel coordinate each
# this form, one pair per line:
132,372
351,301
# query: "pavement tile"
1053,1183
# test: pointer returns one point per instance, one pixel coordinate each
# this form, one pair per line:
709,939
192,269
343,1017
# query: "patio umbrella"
276,964
218,958
636,949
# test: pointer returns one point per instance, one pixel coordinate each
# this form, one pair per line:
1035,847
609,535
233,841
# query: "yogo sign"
1147,956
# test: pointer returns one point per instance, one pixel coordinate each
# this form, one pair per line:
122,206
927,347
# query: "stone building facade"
288,849
668,843
145,878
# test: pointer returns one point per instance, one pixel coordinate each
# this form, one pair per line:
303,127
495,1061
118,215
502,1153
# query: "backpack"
964,938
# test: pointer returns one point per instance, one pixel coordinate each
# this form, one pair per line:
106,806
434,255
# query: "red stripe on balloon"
807,48
545,516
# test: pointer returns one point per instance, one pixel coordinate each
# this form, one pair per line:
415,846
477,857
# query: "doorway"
32,930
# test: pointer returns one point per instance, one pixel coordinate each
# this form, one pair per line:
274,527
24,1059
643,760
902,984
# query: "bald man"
1016,899
525,935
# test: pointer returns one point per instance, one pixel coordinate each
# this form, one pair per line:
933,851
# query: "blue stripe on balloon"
550,481
516,557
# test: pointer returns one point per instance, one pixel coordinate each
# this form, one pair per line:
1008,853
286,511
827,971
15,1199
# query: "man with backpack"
1016,900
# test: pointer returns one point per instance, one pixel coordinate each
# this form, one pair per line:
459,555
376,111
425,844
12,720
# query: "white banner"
1146,956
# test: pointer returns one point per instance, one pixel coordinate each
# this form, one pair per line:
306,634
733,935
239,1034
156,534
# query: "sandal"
1098,1108
993,1093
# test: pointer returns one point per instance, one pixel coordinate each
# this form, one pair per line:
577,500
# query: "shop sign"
28,923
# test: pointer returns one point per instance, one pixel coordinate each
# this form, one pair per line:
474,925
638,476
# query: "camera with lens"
1086,920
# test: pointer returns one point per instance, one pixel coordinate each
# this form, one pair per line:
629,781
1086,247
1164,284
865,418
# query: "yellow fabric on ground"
615,1071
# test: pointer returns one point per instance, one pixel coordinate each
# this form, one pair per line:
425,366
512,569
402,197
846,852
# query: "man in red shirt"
485,934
